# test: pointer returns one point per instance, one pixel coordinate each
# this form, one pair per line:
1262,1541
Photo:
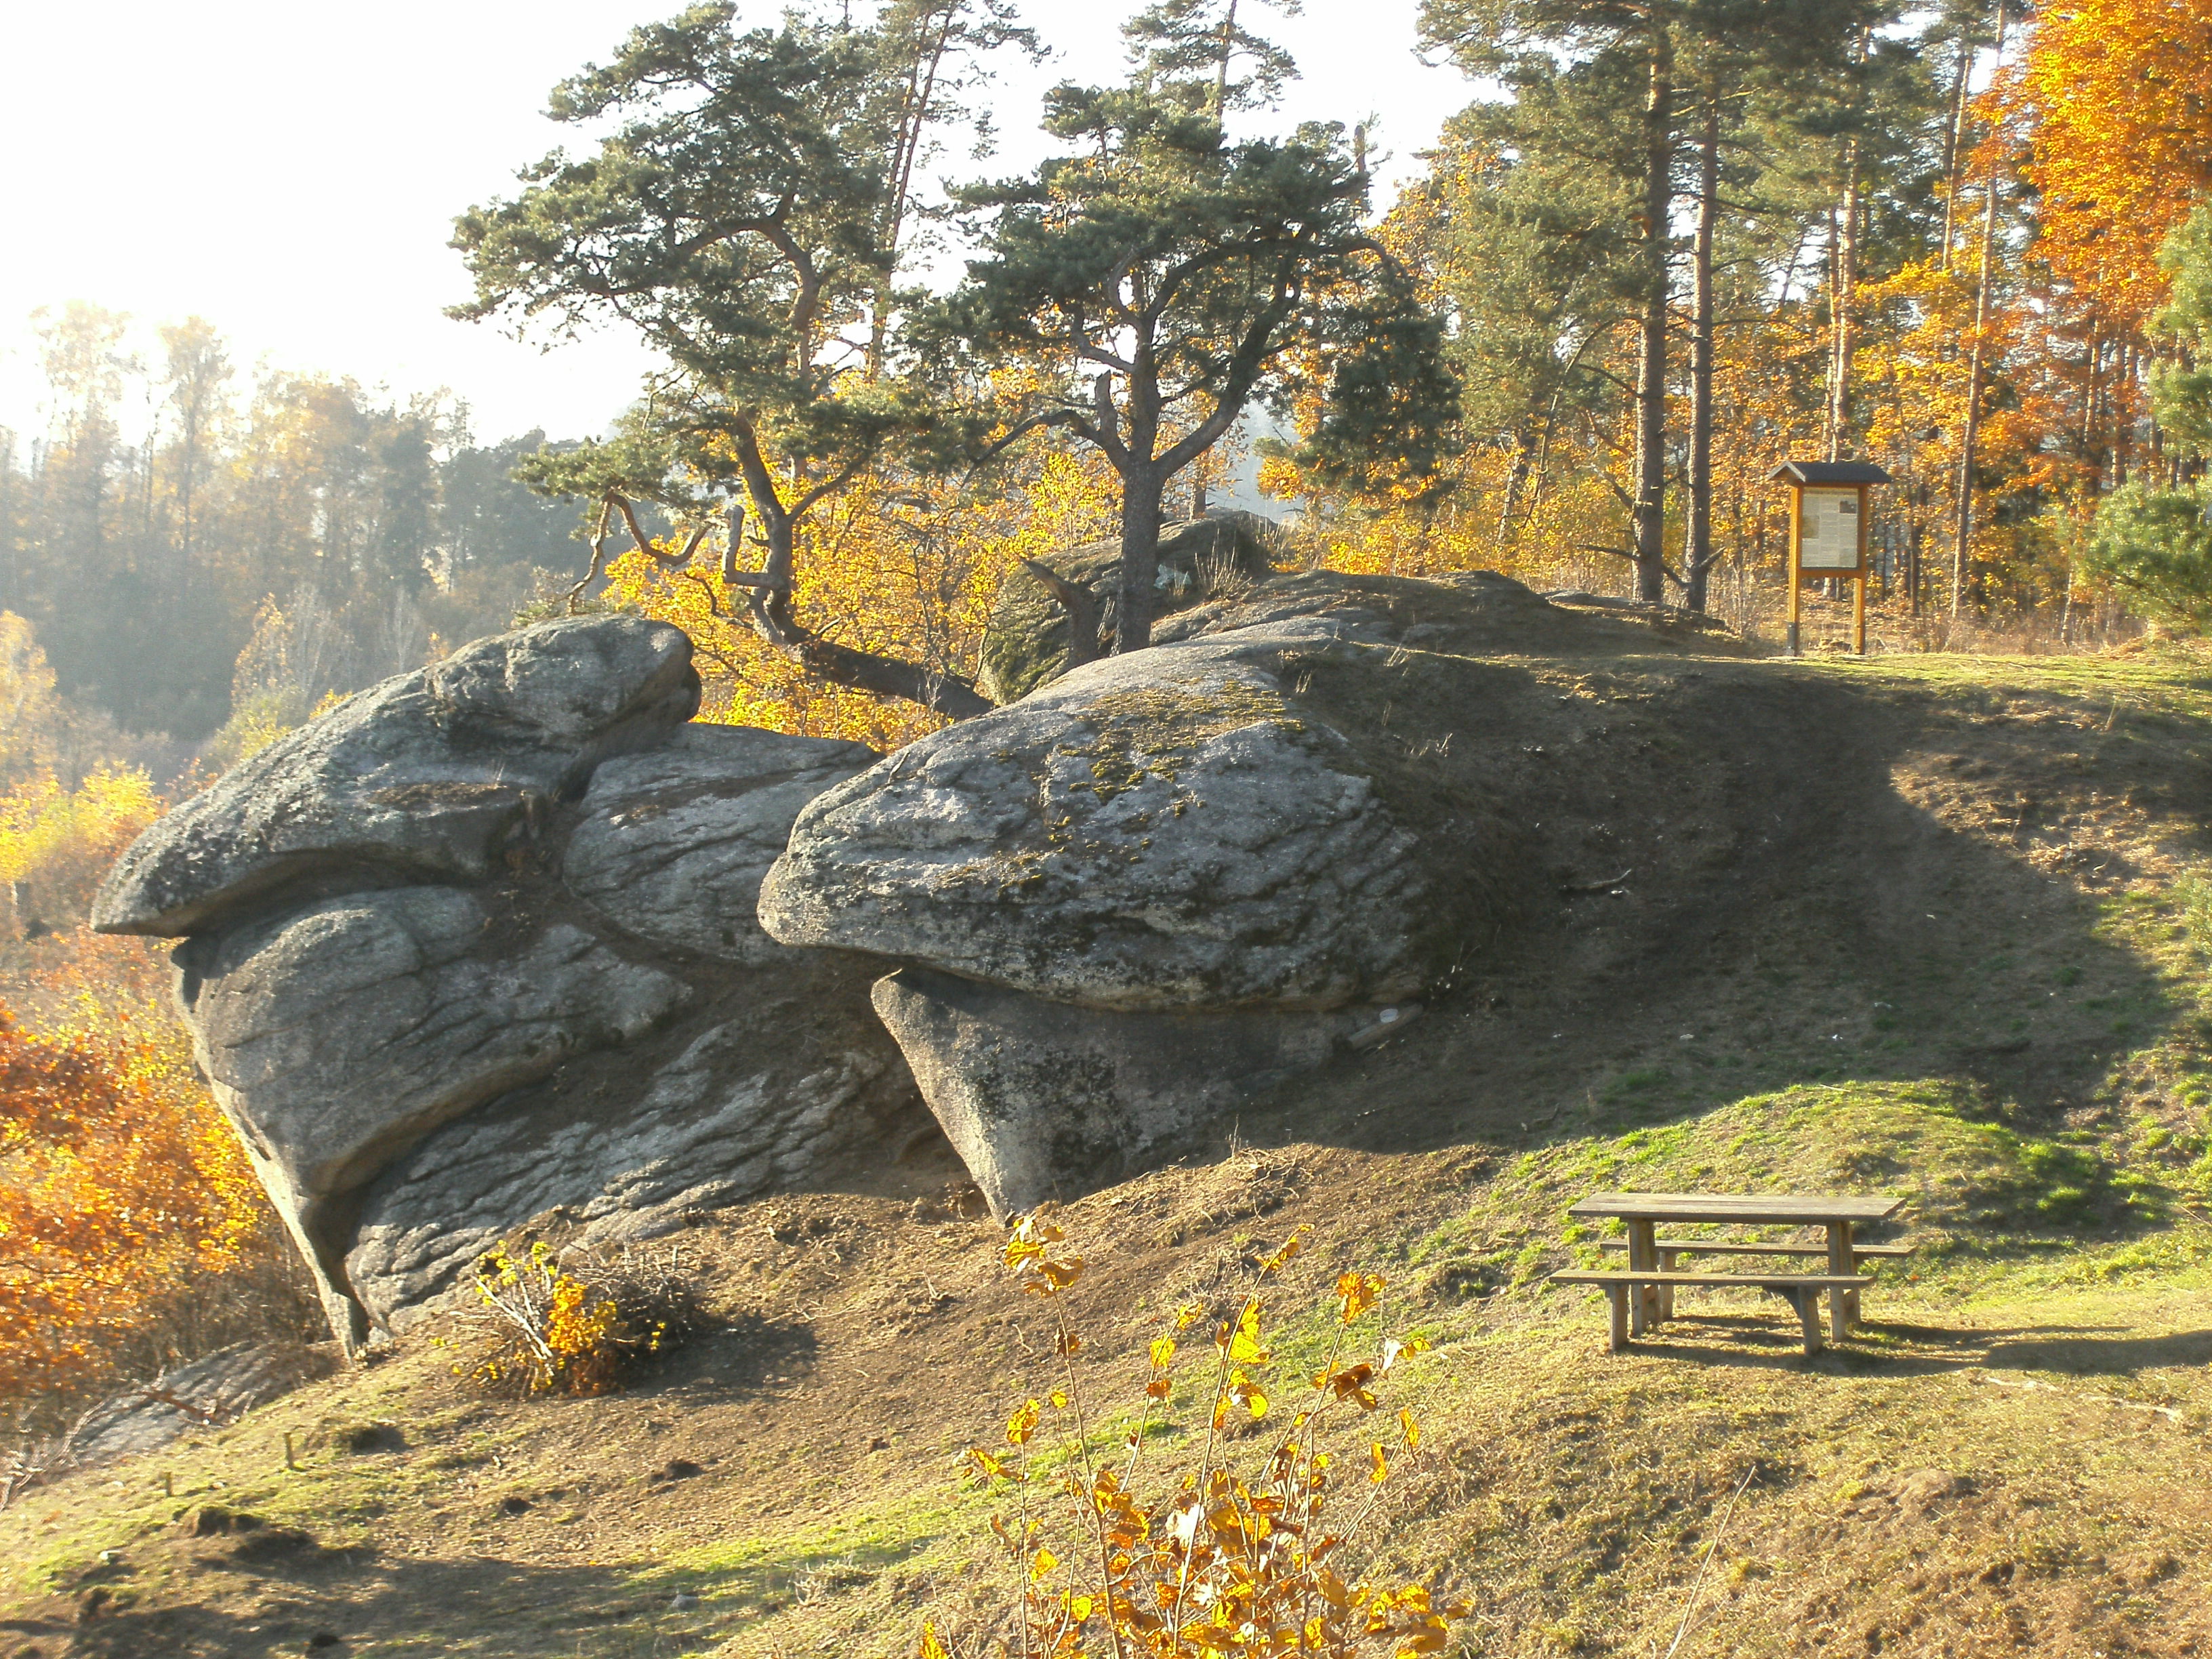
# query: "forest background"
1665,247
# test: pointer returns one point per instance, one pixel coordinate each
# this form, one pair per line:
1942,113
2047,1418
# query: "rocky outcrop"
1026,645
481,942
437,774
674,842
1163,880
1050,1100
1167,830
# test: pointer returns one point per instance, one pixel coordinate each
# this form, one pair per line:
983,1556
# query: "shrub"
133,1233
1216,1559
574,1322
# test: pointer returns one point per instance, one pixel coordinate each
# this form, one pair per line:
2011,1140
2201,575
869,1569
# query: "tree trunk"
1846,299
1650,492
1141,488
1700,560
1954,138
1962,550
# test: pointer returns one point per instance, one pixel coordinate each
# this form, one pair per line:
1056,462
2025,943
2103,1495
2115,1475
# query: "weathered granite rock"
1044,1100
341,1034
1026,645
431,775
1164,881
576,1009
1167,830
219,1388
720,1122
672,844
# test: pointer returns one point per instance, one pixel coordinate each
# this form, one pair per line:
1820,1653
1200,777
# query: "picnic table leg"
1843,1305
1808,1317
1666,1292
1618,1296
1643,1257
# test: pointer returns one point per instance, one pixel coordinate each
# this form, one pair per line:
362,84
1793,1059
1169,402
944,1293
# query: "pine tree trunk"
1954,139
1962,549
1846,299
1650,492
1701,361
1141,489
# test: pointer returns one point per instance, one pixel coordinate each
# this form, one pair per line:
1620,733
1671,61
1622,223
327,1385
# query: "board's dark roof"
1830,472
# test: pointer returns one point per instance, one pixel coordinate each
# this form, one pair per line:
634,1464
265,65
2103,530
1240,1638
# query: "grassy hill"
1940,927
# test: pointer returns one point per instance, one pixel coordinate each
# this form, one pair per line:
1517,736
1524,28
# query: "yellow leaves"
1243,1341
1356,1293
1231,1554
1028,1241
1394,1351
1245,1388
909,569
1162,1353
932,1646
1292,1248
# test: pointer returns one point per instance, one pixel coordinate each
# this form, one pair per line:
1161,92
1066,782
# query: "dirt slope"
1935,926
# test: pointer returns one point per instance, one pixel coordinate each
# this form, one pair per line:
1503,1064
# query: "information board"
1828,529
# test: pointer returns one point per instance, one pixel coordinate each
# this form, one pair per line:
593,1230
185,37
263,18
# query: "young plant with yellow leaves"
1227,1557
573,1323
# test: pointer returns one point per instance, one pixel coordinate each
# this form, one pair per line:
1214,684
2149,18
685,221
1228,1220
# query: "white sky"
290,171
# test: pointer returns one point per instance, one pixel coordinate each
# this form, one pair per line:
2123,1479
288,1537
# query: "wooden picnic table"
1839,1213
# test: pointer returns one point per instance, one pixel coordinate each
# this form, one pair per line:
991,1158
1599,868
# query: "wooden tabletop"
1791,1209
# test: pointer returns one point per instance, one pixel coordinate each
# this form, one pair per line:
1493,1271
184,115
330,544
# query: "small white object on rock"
683,1602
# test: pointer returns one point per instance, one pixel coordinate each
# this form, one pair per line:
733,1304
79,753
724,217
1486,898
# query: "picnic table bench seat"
1802,1290
1742,1246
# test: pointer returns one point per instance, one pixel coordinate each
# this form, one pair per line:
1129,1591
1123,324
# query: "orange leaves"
2119,96
1355,1294
1162,1353
121,1190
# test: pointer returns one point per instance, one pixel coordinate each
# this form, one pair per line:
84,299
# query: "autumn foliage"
127,1214
554,1322
2119,93
1237,1553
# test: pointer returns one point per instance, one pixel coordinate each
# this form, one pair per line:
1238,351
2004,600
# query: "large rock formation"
1164,879
481,942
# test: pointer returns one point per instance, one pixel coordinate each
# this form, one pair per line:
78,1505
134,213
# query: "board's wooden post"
1858,592
1794,576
